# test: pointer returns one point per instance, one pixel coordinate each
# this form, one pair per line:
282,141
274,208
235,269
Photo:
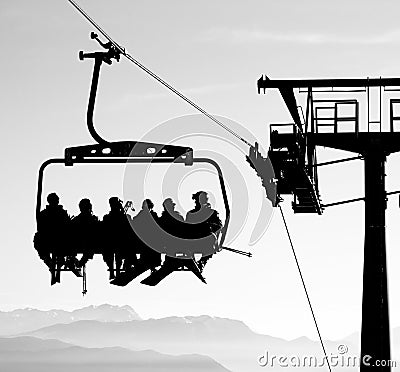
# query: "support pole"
375,331
92,99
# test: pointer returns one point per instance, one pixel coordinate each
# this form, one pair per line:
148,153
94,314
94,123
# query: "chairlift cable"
305,289
155,76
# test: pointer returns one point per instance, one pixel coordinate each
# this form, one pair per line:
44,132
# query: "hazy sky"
214,52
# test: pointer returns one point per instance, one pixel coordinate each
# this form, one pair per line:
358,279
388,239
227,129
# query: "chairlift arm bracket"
287,95
99,57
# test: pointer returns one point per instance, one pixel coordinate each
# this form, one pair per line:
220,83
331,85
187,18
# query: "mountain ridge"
229,342
42,356
29,319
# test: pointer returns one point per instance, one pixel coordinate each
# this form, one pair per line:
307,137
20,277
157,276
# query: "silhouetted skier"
145,225
172,226
148,236
176,246
118,236
205,223
130,248
50,239
85,231
170,216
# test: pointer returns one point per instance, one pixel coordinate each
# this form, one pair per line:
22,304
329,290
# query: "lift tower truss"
335,123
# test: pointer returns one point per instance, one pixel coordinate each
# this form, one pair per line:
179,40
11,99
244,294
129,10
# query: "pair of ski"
168,267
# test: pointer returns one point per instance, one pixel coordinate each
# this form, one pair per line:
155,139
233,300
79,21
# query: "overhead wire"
122,51
305,290
156,77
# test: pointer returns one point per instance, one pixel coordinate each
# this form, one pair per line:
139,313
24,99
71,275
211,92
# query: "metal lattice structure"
334,122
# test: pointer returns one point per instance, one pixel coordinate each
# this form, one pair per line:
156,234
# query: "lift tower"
335,123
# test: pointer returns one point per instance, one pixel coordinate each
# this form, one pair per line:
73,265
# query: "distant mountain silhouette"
25,320
229,342
31,344
30,354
